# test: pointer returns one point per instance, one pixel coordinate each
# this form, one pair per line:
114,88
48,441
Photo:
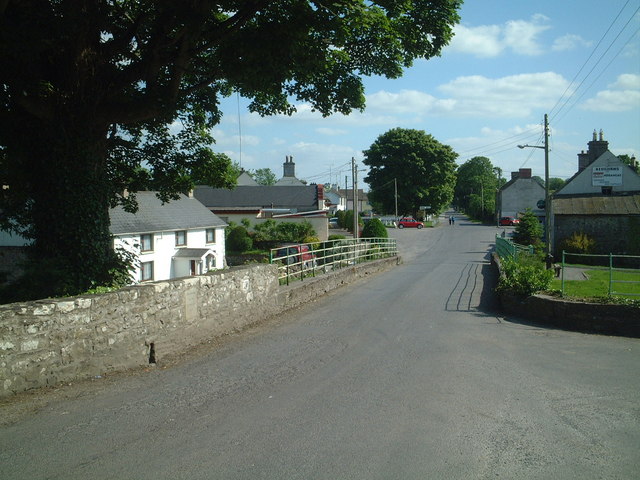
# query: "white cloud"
331,131
487,41
483,41
569,42
622,95
511,96
408,101
627,81
521,36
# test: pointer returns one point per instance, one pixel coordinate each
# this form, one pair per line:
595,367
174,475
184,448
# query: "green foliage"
348,220
476,184
525,276
336,237
374,228
529,230
340,214
264,176
239,240
423,168
271,231
91,94
578,242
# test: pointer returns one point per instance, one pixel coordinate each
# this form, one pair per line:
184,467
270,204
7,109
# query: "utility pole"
547,203
395,189
354,173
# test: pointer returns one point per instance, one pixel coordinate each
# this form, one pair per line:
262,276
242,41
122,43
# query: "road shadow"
489,301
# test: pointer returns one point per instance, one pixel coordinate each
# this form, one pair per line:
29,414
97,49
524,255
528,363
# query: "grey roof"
597,205
514,180
192,252
154,216
301,198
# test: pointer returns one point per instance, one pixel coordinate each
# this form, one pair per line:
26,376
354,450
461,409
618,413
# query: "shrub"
524,276
374,228
578,242
239,240
529,230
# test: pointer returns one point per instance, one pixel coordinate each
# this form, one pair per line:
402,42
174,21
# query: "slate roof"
300,198
153,216
597,205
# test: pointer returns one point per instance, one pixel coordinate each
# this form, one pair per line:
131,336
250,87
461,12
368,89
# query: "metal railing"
301,260
507,249
610,268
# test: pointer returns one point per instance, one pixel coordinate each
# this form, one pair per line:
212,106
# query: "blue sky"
510,62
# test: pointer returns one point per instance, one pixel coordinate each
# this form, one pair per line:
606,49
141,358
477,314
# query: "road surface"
410,374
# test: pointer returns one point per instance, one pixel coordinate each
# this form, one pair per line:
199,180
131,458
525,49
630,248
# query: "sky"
510,62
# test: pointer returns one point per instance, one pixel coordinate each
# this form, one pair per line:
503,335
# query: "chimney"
524,173
597,147
289,168
514,175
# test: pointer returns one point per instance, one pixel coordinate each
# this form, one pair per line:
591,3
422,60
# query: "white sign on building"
606,176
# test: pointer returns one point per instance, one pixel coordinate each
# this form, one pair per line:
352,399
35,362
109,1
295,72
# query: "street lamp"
547,203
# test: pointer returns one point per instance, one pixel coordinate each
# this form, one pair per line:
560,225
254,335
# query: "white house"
171,240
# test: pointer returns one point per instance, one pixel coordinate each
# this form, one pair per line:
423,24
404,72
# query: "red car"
509,221
409,222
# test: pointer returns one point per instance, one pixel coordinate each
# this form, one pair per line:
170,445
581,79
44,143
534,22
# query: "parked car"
296,254
409,222
333,222
509,221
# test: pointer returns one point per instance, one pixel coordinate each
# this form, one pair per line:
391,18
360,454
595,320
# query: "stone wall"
46,342
622,320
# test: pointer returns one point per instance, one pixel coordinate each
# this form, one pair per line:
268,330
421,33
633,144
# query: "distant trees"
263,176
422,167
476,187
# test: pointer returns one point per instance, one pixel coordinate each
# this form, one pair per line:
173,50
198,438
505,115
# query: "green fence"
621,280
298,261
507,249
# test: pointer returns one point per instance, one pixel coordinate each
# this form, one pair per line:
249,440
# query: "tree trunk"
70,208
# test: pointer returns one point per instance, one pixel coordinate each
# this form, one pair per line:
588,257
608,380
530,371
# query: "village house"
601,200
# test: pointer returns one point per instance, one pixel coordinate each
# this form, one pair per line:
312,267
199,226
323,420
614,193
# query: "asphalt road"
410,374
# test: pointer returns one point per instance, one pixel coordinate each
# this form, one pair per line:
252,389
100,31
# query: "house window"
146,271
181,238
146,242
211,235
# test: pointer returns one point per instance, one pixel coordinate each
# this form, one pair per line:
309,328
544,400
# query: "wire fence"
612,275
302,260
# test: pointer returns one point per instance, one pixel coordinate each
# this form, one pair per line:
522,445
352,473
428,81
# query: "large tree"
422,168
90,90
476,187
264,176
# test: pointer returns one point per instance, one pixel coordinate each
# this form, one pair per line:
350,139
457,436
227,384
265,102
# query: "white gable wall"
522,194
582,183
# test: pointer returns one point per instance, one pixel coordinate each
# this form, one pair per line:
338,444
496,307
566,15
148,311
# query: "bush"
374,228
524,276
239,240
529,230
578,242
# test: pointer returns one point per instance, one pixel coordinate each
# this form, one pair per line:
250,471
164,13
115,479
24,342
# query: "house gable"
590,179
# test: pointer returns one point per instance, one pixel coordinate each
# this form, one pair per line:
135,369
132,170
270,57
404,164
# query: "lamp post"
547,203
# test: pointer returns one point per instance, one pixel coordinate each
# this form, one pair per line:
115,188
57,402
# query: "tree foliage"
90,91
476,188
264,176
423,168
374,228
529,230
